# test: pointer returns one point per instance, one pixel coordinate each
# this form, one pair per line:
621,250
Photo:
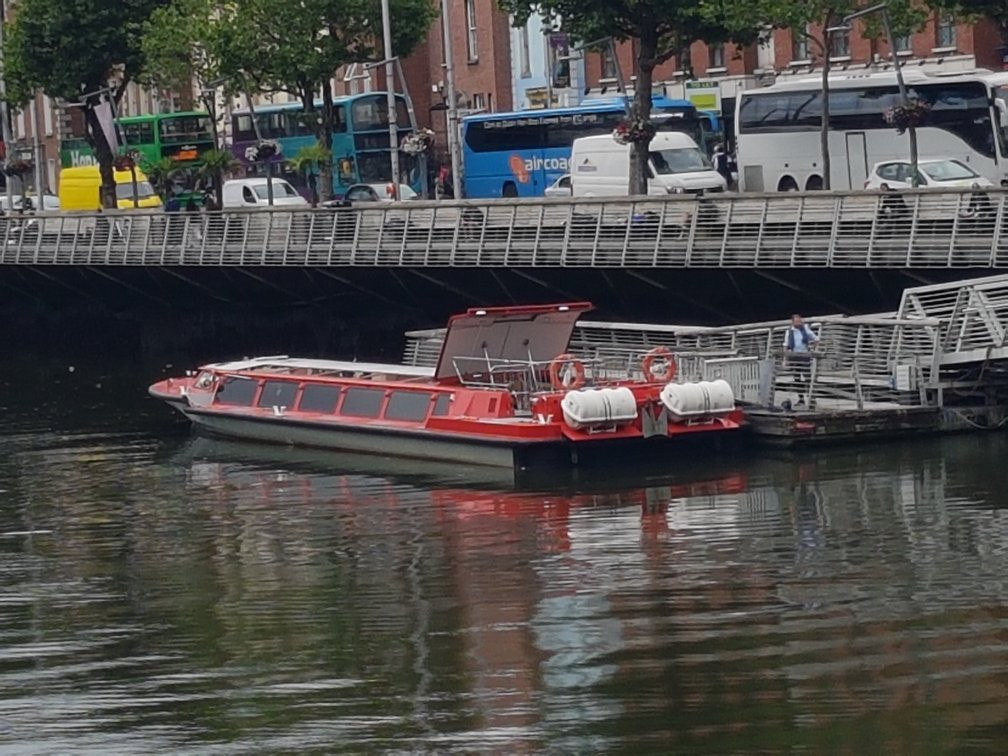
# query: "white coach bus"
777,127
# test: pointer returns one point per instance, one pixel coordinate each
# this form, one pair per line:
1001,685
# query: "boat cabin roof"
283,365
530,333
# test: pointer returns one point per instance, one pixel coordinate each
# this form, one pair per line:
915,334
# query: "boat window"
239,391
319,399
363,402
278,394
442,404
408,405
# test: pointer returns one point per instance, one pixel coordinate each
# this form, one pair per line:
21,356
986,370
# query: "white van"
600,167
254,193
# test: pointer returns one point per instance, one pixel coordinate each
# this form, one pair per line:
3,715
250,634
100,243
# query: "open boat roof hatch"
536,332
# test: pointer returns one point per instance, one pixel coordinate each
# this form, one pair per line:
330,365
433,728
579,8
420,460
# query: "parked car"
377,192
253,193
937,173
559,188
50,202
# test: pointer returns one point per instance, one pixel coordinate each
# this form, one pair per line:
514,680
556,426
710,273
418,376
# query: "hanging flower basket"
911,115
18,167
634,131
418,142
262,151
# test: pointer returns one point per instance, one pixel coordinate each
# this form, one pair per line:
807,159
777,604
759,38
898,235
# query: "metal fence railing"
880,358
917,229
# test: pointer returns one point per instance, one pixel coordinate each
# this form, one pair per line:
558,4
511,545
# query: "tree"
215,165
661,30
817,21
306,161
74,49
260,45
160,173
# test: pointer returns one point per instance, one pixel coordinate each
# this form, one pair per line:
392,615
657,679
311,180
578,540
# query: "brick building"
942,44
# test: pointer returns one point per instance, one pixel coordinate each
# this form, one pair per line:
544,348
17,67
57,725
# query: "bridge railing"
920,228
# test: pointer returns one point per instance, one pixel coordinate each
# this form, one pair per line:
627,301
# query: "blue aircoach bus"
519,154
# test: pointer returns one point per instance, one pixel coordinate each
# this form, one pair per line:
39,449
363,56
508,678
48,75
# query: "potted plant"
634,130
909,115
418,142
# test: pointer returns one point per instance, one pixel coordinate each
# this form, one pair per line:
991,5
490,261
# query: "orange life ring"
576,374
648,365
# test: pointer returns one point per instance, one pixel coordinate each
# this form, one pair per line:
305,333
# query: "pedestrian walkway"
962,229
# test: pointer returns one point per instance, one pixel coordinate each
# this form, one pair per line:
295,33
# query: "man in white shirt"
797,342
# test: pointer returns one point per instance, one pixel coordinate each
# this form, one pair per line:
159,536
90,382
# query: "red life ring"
664,355
575,375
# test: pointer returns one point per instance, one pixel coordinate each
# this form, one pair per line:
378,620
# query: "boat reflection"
201,455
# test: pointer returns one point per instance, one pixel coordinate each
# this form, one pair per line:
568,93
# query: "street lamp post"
390,98
883,10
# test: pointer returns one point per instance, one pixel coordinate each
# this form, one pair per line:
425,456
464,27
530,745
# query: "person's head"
719,147
796,320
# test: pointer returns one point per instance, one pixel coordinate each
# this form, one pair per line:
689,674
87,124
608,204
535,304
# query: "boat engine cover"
689,401
597,407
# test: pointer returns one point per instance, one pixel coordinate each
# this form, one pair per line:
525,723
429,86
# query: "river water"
160,592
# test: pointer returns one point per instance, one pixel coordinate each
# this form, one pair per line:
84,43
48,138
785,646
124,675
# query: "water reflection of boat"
701,476
504,393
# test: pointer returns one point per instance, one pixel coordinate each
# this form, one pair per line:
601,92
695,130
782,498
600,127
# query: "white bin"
687,401
599,407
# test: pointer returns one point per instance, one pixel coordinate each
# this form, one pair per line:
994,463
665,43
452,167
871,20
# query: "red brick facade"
981,40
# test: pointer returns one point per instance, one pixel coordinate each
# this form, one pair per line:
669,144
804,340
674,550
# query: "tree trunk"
105,158
641,110
325,141
824,121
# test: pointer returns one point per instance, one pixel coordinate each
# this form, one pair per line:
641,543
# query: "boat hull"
506,453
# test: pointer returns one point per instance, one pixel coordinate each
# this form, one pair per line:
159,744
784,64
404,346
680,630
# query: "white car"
254,192
942,173
50,202
377,192
559,188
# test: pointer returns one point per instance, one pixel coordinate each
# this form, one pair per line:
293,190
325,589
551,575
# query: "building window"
799,46
470,8
523,52
946,31
479,102
839,46
609,70
903,44
715,56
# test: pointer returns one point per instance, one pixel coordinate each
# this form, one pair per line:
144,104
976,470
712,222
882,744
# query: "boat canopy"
528,333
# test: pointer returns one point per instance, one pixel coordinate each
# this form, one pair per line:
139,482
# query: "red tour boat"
505,392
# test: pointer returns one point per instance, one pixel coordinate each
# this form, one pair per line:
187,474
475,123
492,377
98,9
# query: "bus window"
370,113
185,129
241,128
138,133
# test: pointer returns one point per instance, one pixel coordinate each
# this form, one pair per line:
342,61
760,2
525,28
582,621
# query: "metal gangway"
911,229
947,337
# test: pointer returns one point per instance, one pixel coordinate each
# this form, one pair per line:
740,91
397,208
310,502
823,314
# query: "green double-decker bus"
183,137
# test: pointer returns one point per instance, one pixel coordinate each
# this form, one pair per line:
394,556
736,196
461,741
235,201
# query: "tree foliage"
662,29
69,48
277,46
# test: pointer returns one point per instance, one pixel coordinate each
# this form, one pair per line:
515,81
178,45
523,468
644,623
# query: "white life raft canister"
688,401
599,407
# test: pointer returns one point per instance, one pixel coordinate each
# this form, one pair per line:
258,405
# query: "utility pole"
4,114
451,113
37,151
390,98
